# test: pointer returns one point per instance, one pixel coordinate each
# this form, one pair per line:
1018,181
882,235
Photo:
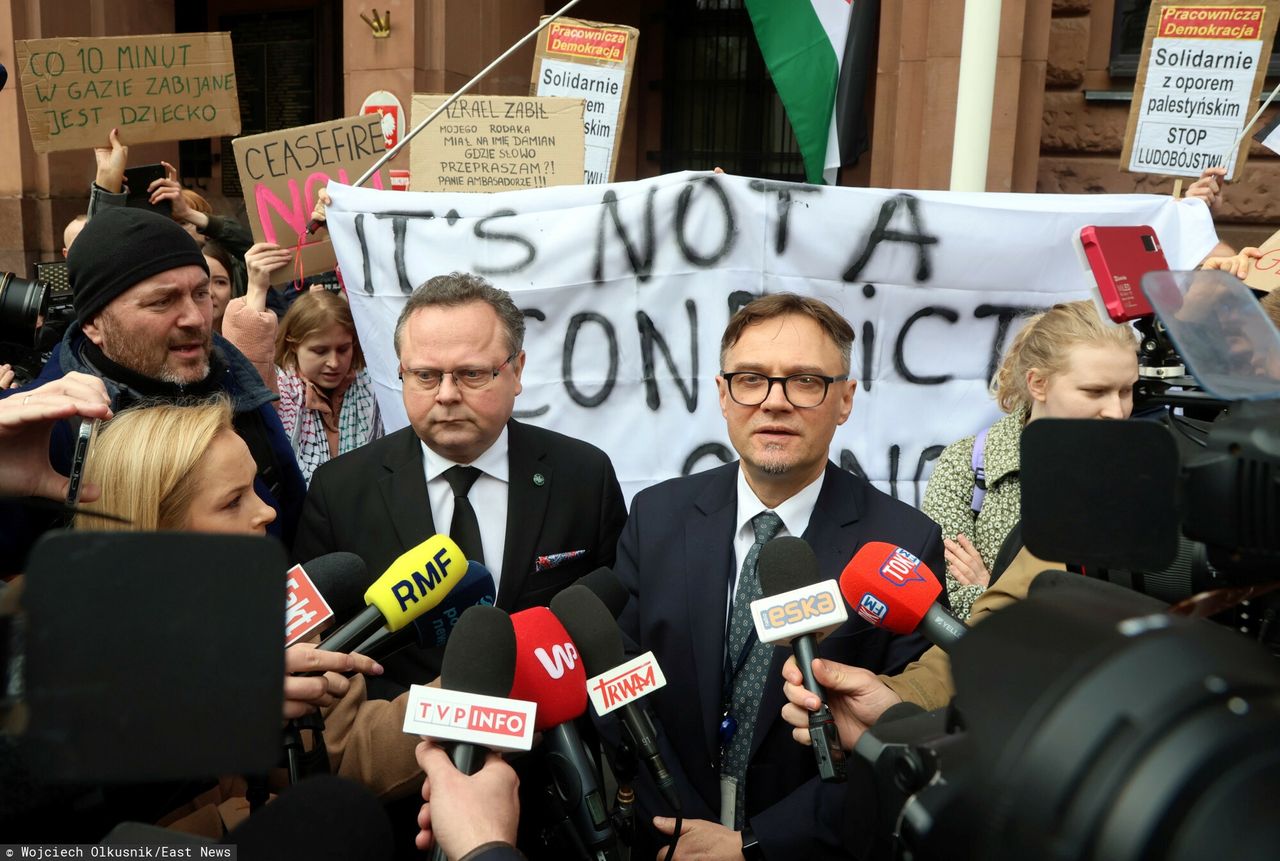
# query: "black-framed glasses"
429,379
803,390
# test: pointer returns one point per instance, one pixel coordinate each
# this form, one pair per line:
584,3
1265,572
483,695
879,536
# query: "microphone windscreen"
787,563
608,588
475,589
341,578
591,627
548,669
889,587
417,581
320,819
481,655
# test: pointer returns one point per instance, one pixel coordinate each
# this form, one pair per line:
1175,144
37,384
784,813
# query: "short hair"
314,311
1044,344
144,460
82,219
1271,304
463,288
780,305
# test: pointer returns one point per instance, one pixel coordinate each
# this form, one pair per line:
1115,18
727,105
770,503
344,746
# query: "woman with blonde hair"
312,359
1066,362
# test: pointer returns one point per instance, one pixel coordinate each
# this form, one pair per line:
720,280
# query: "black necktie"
465,528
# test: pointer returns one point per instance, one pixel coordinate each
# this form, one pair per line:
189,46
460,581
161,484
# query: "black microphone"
606,586
801,608
432,629
593,630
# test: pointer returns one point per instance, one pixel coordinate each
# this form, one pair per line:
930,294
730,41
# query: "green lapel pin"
538,479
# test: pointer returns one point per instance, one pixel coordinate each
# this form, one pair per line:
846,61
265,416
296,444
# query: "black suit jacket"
676,559
373,502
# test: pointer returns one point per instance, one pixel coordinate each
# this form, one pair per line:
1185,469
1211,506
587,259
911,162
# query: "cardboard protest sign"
496,143
1202,67
590,61
1264,274
152,88
282,171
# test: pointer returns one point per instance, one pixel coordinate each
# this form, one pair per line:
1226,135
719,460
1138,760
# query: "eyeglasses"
750,389
429,379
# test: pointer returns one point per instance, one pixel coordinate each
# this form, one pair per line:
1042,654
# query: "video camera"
34,314
1092,721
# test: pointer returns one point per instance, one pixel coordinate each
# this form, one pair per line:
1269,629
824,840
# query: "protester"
784,389
220,287
71,231
313,362
144,325
1065,363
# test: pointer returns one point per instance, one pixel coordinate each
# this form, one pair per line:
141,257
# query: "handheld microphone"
615,683
606,586
415,583
432,629
326,586
892,589
549,672
801,608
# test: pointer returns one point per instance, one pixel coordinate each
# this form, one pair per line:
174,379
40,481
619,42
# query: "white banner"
627,288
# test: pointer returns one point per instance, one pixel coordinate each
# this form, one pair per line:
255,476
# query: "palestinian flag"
817,52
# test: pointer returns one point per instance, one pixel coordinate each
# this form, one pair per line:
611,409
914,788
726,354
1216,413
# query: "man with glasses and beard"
688,558
144,325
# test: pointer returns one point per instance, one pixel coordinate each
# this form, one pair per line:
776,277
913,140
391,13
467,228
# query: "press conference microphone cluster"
432,628
893,589
800,608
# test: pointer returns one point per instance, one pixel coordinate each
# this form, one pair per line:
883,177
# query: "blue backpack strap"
979,472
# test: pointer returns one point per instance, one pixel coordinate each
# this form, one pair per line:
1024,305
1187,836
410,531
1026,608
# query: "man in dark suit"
687,556
537,508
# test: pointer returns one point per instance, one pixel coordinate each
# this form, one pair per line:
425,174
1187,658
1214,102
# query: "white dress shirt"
488,497
794,512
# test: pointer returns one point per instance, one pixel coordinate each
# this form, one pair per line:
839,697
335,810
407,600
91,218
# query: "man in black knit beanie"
144,324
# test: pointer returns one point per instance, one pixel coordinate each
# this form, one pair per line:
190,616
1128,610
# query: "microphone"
801,608
616,684
894,590
328,585
608,588
432,629
549,672
415,583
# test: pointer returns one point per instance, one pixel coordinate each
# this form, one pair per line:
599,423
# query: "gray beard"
168,376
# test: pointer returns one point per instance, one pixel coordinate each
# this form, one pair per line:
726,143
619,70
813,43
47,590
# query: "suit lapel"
833,535
526,510
404,490
708,572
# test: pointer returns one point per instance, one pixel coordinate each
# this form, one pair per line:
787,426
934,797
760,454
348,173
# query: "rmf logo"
799,610
901,568
562,658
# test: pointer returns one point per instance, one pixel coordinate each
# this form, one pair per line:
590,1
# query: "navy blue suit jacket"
676,559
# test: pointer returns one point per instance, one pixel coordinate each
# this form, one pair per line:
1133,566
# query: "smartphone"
88,433
1118,257
138,180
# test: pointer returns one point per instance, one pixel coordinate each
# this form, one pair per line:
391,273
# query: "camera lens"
21,304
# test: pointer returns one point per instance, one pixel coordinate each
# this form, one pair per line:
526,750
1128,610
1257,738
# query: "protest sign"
1264,273
496,143
1202,67
590,61
282,171
152,88
626,289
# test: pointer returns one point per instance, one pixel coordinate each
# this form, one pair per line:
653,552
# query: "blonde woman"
1064,363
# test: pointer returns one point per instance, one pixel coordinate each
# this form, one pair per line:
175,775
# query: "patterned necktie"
465,528
748,683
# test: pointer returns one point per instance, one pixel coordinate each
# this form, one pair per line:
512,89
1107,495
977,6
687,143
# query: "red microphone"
894,590
549,672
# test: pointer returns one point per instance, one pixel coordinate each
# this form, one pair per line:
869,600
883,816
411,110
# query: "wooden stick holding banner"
314,225
1253,119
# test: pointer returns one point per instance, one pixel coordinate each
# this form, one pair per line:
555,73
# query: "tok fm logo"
901,568
872,609
562,658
